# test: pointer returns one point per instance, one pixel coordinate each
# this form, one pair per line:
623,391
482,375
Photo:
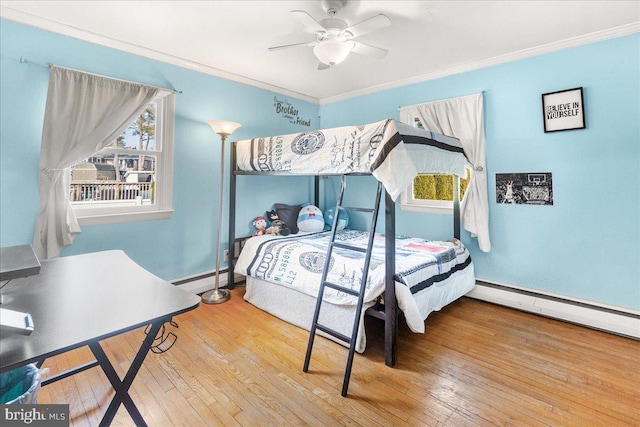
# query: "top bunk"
393,152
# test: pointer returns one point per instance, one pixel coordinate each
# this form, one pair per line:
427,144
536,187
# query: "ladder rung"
342,288
349,247
333,333
353,209
351,341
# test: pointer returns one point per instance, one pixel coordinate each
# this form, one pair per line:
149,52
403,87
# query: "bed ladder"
351,341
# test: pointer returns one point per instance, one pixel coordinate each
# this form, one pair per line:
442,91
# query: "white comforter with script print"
297,261
391,151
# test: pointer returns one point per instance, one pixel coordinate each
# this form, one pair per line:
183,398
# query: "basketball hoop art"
524,188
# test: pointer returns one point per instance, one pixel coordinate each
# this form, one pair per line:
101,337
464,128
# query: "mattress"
423,269
297,308
391,151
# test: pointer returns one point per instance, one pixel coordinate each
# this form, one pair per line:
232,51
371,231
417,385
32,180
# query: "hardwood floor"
478,364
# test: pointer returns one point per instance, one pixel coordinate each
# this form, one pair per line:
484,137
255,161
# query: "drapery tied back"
463,118
101,112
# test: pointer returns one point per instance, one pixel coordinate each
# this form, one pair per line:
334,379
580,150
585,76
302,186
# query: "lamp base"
216,296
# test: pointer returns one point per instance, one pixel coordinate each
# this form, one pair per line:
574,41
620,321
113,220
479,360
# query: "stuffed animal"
261,225
343,219
276,226
310,219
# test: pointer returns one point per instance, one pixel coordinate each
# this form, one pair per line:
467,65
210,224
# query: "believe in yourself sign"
563,110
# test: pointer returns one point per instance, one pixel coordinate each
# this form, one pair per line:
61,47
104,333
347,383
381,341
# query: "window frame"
162,207
410,204
443,207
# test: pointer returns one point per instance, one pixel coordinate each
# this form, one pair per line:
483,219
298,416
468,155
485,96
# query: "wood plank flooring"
478,364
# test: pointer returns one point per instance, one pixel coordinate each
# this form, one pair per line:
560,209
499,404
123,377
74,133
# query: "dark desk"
83,299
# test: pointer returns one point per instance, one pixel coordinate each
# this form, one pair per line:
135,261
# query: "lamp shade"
223,127
332,51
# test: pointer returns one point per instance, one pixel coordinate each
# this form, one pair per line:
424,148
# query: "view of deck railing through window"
124,172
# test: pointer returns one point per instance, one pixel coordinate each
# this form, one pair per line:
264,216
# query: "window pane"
114,180
434,186
141,134
437,187
130,179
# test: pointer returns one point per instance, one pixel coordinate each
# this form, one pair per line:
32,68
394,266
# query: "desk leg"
122,387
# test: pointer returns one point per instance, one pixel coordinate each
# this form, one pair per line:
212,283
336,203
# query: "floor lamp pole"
217,295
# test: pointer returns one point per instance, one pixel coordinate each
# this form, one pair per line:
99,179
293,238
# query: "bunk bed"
394,153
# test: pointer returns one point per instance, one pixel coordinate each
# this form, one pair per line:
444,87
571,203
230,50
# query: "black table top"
81,298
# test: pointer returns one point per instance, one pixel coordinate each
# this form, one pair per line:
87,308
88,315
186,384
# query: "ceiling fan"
334,38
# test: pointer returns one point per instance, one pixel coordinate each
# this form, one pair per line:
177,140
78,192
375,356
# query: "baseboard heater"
205,281
617,320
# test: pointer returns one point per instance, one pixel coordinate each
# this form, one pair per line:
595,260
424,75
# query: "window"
432,193
130,179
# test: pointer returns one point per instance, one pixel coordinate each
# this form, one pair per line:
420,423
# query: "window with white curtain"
432,193
131,178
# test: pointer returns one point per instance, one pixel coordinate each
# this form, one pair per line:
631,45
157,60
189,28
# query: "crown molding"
88,36
77,33
623,30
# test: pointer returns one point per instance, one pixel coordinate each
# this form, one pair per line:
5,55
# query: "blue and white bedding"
297,261
391,151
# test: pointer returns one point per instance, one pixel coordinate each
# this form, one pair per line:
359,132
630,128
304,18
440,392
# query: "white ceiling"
427,39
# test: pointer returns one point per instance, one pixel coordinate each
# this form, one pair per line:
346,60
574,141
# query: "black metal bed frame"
388,311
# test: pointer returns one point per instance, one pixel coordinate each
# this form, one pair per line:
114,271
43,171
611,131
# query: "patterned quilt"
380,148
297,261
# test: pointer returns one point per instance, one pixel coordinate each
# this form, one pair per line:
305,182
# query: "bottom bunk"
284,273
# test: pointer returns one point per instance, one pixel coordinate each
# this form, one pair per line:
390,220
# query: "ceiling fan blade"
308,21
368,50
287,46
368,25
323,66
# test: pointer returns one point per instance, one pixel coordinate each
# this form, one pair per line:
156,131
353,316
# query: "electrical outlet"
226,255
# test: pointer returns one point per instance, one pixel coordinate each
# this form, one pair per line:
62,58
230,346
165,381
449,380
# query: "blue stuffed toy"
343,219
310,219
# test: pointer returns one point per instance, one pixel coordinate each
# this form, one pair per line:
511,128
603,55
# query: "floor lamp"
223,128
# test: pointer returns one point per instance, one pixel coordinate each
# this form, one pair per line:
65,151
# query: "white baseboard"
617,320
202,282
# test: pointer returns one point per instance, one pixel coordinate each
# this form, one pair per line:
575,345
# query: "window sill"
441,210
118,218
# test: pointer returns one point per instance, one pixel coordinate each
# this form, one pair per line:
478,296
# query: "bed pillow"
289,215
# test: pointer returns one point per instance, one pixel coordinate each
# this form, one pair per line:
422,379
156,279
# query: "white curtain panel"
84,113
462,118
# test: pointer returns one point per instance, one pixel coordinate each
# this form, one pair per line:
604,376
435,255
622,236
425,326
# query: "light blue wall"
587,245
178,247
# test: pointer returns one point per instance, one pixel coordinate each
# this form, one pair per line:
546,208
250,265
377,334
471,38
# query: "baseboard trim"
202,282
617,320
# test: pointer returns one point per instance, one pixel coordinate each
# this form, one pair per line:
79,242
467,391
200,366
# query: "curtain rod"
49,65
427,102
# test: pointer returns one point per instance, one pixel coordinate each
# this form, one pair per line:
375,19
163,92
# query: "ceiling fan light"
332,51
